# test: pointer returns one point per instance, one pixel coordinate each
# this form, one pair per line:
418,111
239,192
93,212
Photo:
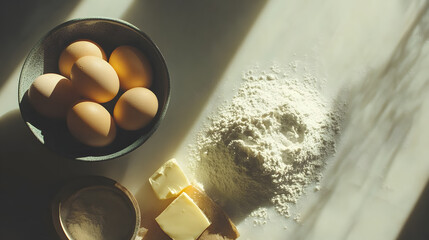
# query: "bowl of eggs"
94,89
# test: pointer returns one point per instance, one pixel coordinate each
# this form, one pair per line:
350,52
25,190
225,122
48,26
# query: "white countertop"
372,54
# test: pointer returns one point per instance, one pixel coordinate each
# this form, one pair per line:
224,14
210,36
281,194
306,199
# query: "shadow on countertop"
22,24
416,226
392,95
30,177
198,40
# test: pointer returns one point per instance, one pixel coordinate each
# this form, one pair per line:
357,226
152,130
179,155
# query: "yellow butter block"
169,180
222,227
183,219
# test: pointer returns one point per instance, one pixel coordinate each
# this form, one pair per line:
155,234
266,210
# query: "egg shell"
76,50
95,79
91,124
132,66
135,109
52,95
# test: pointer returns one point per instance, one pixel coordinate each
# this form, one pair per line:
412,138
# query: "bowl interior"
95,195
43,58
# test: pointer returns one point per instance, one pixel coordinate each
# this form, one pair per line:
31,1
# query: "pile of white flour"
268,143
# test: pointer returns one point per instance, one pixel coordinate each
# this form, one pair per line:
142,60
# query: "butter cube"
183,219
169,180
222,227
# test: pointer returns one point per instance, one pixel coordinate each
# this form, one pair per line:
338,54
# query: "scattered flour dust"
260,216
267,144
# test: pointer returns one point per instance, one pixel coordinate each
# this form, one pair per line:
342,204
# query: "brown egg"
76,50
135,108
95,79
132,66
52,95
91,124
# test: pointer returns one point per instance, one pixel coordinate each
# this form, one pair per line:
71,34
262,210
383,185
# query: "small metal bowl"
43,58
96,205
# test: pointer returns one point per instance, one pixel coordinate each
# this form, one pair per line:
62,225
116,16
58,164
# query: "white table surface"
373,54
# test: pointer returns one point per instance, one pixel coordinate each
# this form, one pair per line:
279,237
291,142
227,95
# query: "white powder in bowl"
268,143
98,213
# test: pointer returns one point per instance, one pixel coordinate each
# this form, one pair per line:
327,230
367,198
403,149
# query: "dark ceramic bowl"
43,58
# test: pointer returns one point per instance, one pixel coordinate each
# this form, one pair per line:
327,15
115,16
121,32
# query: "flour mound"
268,143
